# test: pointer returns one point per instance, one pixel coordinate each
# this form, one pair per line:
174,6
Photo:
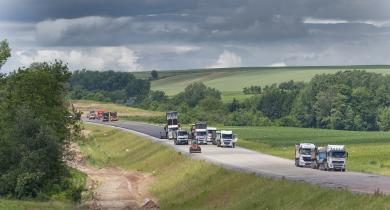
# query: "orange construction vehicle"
195,148
100,113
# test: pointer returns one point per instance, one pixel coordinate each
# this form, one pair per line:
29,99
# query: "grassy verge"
368,151
28,205
184,183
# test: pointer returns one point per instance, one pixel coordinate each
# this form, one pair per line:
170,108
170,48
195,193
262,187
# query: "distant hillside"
231,81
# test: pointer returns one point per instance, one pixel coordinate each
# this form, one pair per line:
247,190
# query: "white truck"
181,137
172,125
226,139
211,135
303,154
331,157
199,132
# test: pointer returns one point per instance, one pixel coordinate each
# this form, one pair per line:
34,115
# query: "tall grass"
184,183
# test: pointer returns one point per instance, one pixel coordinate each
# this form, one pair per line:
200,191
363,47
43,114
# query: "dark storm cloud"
195,32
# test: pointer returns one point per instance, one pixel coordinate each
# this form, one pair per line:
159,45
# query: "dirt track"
114,188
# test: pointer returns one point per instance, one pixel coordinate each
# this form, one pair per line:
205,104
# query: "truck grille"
337,164
306,158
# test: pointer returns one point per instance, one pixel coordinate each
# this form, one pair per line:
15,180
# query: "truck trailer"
303,154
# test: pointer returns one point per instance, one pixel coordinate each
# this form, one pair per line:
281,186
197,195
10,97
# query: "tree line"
108,86
347,100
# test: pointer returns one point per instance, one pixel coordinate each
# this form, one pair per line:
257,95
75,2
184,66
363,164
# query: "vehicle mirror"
346,154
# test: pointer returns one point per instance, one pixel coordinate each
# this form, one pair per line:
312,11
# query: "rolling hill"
231,81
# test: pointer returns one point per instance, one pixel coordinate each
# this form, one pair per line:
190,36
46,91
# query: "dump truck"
113,116
199,132
110,116
330,158
172,125
100,113
225,139
181,137
211,135
91,115
303,154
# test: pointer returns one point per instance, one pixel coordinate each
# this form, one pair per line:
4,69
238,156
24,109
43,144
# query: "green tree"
5,52
154,75
35,127
384,119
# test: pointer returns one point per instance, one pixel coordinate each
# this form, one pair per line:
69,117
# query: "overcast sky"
134,35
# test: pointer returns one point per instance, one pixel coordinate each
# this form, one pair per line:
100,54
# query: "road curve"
265,165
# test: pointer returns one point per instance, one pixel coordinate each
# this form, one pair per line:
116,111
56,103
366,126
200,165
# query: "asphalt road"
266,165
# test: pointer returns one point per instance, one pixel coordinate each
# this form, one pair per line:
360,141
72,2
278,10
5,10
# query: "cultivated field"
184,183
368,151
231,81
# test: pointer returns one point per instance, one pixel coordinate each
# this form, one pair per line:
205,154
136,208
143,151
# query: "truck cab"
303,157
332,157
201,136
211,135
225,139
181,137
106,116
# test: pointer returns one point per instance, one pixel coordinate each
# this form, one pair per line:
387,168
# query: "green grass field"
231,81
368,151
184,183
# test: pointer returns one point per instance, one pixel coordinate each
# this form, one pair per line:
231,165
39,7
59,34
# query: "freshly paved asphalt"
265,165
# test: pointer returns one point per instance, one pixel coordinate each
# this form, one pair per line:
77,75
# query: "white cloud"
376,23
281,64
227,59
97,58
311,20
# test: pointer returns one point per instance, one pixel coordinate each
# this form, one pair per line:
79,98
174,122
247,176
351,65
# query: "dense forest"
109,86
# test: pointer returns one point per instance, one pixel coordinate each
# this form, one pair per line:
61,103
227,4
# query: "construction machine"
195,148
172,125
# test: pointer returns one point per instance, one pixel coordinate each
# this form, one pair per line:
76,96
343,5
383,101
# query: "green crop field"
368,151
183,183
231,81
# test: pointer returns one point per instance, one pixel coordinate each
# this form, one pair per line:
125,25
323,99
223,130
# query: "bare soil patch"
114,188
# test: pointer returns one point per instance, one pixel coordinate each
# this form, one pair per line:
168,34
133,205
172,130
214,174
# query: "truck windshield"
338,154
201,133
305,151
227,136
182,133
